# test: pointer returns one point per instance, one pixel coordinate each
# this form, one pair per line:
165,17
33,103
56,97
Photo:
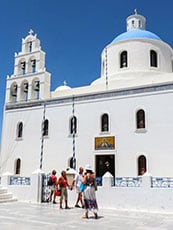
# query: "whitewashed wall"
143,198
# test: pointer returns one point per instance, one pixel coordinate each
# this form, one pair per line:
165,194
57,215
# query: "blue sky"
73,33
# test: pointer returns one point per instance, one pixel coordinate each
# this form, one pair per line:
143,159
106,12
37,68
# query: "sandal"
96,216
85,216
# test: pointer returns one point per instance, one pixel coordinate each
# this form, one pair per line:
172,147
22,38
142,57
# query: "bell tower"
30,80
136,21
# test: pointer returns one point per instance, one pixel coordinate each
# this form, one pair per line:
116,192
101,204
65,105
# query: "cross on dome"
31,32
135,11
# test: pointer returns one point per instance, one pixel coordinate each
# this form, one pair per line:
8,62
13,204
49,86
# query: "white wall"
143,198
155,142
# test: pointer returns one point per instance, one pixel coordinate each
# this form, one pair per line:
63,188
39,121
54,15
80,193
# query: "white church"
120,123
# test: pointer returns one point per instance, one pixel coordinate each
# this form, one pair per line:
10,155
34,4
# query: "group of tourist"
85,184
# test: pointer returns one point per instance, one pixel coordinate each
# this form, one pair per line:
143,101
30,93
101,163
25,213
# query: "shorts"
53,187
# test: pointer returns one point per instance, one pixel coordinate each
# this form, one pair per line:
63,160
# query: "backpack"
50,181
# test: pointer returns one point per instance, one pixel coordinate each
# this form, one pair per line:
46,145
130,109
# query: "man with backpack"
52,181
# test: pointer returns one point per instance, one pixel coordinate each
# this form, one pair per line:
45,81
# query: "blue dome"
136,33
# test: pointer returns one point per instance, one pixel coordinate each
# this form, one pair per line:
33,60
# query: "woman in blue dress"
89,194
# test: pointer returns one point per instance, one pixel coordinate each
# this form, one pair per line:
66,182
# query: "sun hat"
88,167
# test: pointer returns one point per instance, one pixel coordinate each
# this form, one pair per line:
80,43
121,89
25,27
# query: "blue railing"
162,182
128,181
14,180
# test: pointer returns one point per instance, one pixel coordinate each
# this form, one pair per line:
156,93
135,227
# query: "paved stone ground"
29,216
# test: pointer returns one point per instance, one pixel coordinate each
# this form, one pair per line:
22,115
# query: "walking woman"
89,192
63,183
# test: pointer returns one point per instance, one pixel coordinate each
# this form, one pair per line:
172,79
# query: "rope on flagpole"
106,66
42,137
73,135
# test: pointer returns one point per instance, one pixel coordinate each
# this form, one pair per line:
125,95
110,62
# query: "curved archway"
142,165
123,59
18,166
35,88
19,130
140,119
24,91
105,122
13,92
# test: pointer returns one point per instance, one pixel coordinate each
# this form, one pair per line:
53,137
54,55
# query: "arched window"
23,67
30,46
35,89
142,165
123,59
73,125
105,123
153,58
46,128
140,119
20,130
72,163
18,166
13,92
33,65
25,87
24,91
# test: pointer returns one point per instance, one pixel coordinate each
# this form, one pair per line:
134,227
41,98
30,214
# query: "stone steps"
5,196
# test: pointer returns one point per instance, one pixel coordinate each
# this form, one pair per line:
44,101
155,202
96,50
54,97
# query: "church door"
105,163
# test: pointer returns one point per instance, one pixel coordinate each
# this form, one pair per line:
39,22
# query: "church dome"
135,50
136,33
136,25
62,87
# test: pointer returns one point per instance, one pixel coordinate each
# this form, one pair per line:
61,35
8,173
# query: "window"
35,93
13,90
140,119
72,163
33,65
30,46
153,58
18,166
123,59
20,130
133,23
25,91
37,85
45,127
142,165
73,125
23,67
25,87
104,123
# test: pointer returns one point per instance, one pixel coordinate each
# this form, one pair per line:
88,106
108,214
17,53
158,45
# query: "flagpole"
73,133
42,136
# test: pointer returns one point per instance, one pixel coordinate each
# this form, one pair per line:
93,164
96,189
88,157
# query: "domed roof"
136,33
62,87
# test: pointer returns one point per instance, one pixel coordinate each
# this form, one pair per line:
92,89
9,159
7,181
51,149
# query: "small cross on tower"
31,32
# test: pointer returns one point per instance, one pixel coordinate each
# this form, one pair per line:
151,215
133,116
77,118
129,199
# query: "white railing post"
107,180
146,180
36,185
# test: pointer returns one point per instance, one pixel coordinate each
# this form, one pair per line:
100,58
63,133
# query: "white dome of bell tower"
136,21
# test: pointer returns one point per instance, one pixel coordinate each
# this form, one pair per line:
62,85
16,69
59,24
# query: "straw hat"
88,167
